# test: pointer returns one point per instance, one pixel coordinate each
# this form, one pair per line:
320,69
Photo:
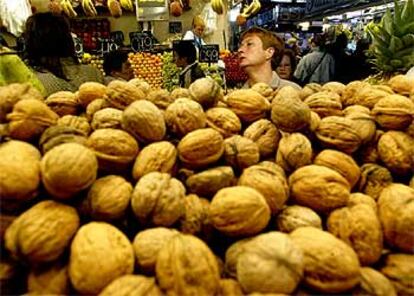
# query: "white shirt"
277,82
189,35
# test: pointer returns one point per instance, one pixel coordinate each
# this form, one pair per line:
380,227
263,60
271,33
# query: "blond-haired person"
196,32
260,52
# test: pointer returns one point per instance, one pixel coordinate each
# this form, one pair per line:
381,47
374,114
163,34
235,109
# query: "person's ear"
270,52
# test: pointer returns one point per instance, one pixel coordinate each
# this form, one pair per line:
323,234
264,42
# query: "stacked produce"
234,74
94,60
393,40
147,66
170,72
127,190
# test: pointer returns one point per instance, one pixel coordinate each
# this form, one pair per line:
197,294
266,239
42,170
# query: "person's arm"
300,72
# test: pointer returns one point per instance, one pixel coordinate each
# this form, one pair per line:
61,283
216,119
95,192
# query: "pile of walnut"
125,190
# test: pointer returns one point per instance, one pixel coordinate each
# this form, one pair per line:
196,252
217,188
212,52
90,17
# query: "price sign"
78,46
209,53
140,41
175,27
107,45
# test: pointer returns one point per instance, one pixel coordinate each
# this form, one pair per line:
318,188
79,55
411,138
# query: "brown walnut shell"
368,96
293,217
148,243
14,92
331,266
144,86
158,199
230,287
290,115
240,152
360,198
195,215
132,285
396,150
309,89
95,106
63,103
364,125
373,282
144,121
223,120
180,92
264,89
325,103
58,134
338,133
51,280
270,264
99,254
399,269
29,119
207,183
19,172
351,91
184,116
360,228
108,198
314,121
334,86
161,98
396,212
239,211
295,151
287,93
394,112
233,254
272,185
401,84
90,91
265,134
319,188
77,122
121,94
156,157
186,266
114,148
340,162
206,91
374,178
356,109
201,147
42,233
107,118
248,104
68,169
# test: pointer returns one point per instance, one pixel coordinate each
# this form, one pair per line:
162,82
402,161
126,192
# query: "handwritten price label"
140,42
209,53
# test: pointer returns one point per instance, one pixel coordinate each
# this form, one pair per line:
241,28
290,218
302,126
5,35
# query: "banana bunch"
67,8
218,6
251,9
127,5
89,7
393,39
114,8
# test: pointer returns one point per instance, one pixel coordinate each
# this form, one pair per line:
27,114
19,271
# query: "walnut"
90,91
144,121
148,243
309,89
184,116
351,92
59,134
144,86
319,188
264,89
207,183
156,157
223,120
394,112
360,228
230,287
360,198
161,98
265,134
201,147
68,169
52,280
29,119
295,151
42,233
399,269
186,266
63,103
293,217
331,266
335,87
396,212
132,285
401,84
239,211
290,114
374,178
107,118
325,103
233,254
77,122
99,254
158,199
248,104
121,94
180,92
272,185
364,125
373,283
195,216
206,91
94,106
240,152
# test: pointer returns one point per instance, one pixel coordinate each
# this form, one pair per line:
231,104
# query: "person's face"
179,61
198,31
251,52
284,70
126,73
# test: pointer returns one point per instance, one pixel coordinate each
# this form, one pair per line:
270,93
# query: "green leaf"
395,44
387,22
397,14
408,11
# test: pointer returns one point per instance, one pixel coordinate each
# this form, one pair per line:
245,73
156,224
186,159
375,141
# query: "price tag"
140,41
107,45
78,46
209,53
175,27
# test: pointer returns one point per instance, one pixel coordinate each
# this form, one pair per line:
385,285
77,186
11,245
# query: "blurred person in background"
51,53
185,57
344,67
260,52
196,32
287,65
117,67
317,66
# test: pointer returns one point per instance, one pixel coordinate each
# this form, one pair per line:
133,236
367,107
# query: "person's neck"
260,73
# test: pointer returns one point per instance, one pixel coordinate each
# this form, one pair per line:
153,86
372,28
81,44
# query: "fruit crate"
90,31
234,74
148,66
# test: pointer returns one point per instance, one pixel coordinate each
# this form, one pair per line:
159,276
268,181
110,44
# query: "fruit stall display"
170,71
125,188
147,66
234,74
94,60
90,31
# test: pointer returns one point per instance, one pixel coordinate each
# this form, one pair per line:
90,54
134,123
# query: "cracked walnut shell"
265,134
223,120
248,104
